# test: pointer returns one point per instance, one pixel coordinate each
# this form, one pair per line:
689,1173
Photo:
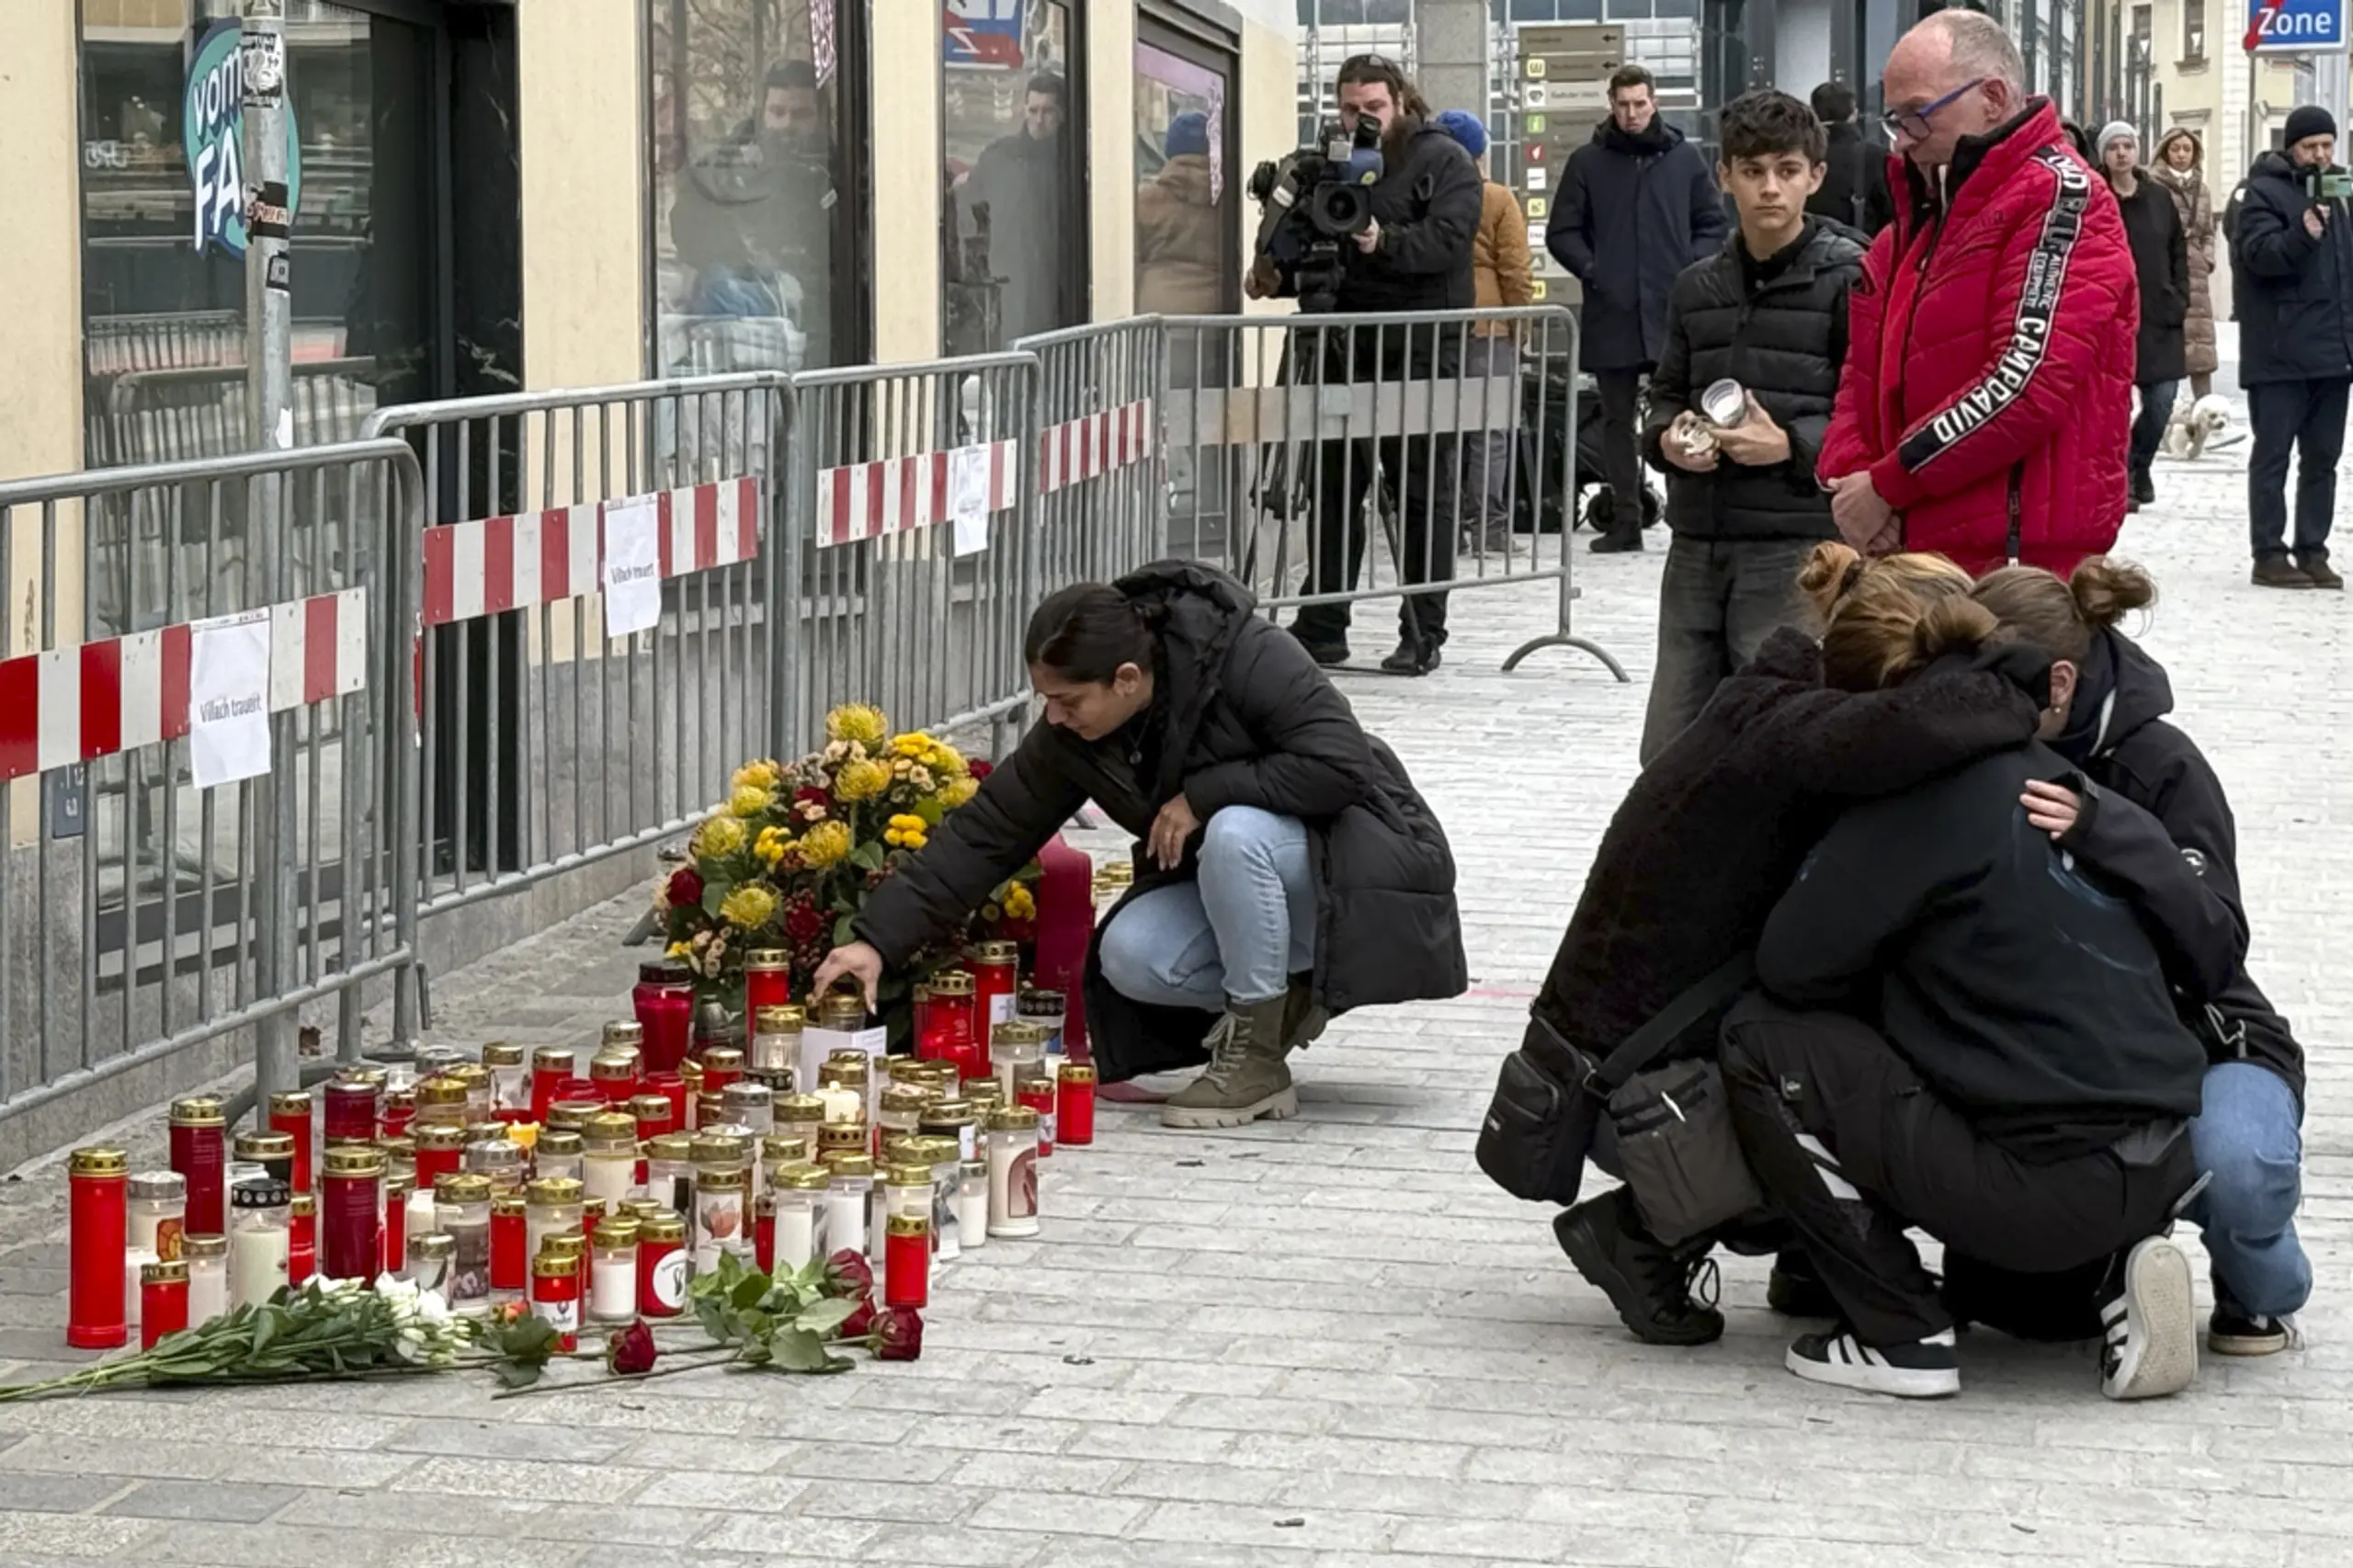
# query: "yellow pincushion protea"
749,908
750,801
959,789
862,780
858,721
827,844
719,836
760,775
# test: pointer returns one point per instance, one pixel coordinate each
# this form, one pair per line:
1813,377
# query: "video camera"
2326,184
1310,202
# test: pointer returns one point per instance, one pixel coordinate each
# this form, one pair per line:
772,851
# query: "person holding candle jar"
1287,869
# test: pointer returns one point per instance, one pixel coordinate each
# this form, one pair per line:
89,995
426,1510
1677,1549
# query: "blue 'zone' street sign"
2299,26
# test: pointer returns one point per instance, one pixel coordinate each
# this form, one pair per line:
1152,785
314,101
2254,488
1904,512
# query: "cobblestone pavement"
1330,1343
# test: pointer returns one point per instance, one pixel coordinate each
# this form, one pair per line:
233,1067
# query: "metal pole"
270,428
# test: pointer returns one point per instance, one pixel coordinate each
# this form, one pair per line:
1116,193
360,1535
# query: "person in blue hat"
1503,273
1180,240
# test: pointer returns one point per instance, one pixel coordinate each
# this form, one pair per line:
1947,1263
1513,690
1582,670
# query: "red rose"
978,768
898,1334
860,1323
802,923
811,798
686,888
630,1351
846,1274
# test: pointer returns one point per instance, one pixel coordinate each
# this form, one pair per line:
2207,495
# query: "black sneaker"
1795,1291
1617,542
1650,1283
2149,1322
1410,659
2234,1332
1325,651
2145,490
1923,1369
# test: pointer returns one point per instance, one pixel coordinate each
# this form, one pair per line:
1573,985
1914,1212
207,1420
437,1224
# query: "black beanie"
2309,121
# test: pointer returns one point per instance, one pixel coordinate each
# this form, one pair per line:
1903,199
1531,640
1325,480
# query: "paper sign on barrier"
228,697
633,566
968,498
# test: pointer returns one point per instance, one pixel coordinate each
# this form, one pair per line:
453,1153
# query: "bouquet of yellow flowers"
787,860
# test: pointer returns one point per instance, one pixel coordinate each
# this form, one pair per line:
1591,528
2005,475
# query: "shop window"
1013,207
1188,243
757,181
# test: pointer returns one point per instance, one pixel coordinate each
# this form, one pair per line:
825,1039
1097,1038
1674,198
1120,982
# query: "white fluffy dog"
2205,422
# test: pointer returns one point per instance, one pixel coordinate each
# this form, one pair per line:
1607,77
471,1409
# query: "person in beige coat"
2180,167
1181,228
1503,269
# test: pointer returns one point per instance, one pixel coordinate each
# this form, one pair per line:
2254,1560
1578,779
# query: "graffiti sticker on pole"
213,124
2295,27
261,57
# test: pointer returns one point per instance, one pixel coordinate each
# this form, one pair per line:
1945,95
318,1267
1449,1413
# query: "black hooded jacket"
2292,293
1711,833
2154,818
1241,716
1427,202
1631,213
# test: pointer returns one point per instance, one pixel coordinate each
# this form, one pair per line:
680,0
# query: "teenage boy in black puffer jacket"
1768,311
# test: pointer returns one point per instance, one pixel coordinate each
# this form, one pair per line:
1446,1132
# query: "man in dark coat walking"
1854,180
1637,205
2160,249
2291,264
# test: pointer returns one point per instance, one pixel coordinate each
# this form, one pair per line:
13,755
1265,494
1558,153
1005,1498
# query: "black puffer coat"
1785,343
2161,261
1633,212
2290,289
1241,717
1713,831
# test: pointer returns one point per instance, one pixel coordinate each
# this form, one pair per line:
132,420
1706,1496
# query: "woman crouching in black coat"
1287,869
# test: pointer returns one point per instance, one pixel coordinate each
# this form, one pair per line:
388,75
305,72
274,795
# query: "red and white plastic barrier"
1093,445
71,705
490,566
862,501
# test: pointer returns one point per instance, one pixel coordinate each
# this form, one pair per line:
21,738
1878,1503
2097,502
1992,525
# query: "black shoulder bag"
1552,1094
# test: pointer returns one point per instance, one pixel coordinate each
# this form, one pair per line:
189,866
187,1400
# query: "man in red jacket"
1987,396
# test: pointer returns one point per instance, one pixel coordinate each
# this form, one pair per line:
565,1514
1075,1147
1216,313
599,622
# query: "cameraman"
2291,262
1415,256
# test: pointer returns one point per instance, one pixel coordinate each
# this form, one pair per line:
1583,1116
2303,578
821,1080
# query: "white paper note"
633,566
228,697
968,498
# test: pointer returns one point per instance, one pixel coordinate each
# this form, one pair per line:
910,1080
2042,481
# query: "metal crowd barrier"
1333,460
1099,508
543,743
140,916
911,485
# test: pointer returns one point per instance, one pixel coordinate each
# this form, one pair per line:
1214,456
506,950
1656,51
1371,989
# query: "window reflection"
1184,262
751,223
1011,218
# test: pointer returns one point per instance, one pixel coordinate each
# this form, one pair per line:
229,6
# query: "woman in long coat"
2180,168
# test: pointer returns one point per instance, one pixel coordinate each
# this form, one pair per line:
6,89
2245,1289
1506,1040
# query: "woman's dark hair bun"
2105,590
1959,624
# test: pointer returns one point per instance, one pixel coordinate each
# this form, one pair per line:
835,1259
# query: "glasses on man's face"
1914,122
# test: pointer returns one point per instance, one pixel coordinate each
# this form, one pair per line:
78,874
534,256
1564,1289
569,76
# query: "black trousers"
2308,418
1621,448
1852,1147
1420,470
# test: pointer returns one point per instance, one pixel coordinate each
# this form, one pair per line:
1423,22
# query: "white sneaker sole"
1280,1106
2159,1319
1901,1382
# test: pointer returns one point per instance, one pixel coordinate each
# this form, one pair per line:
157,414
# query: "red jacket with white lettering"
1988,384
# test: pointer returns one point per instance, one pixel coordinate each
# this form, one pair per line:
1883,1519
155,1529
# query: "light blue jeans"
2247,1139
1239,931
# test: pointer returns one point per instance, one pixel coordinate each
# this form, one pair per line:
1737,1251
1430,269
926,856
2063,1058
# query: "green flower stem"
662,1371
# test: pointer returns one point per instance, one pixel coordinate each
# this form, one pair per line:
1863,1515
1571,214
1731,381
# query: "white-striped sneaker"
1923,1369
2150,1323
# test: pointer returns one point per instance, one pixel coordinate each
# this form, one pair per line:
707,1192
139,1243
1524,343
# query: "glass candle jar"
653,1116
158,1214
571,1113
1036,1091
351,1214
906,1263
207,1278
461,1210
958,1032
841,1086
901,1111
399,1159
510,1075
1015,1048
996,979
669,1171
199,1135
780,1149
592,1214
663,1003
750,1105
501,1160
614,1071
1044,1008
799,1115
946,1163
98,1315
662,1267
392,1225
550,1070
952,1120
1075,1104
562,1152
431,1261
843,1214
440,1150
1013,1172
290,1113
776,1037
351,1111
768,980
481,1091
302,1237
551,1207
555,1298
723,1216
163,1300
721,1065
612,1272
689,1093
396,1112
608,1162
972,1204
844,1138
798,1190
510,1246
261,1242
441,1102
